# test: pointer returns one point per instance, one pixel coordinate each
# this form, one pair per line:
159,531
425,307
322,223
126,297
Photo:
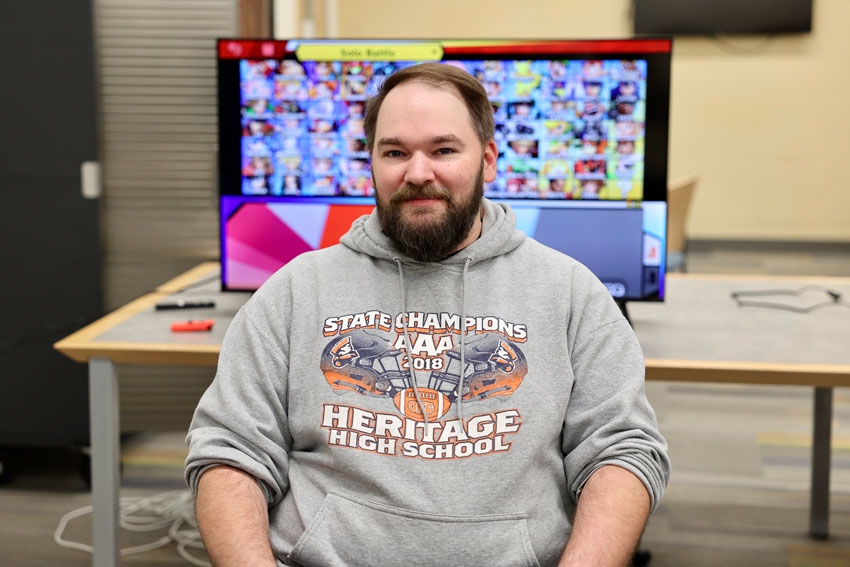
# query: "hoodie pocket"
351,532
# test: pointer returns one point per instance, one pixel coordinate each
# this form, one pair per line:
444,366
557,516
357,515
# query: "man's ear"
491,153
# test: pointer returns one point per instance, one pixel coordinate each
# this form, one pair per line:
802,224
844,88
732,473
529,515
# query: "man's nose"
419,170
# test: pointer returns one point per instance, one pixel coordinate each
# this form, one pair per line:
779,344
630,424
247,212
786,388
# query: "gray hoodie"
364,465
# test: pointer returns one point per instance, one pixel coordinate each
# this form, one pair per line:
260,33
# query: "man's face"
428,170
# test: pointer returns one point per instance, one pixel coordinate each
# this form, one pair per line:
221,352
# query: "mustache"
409,192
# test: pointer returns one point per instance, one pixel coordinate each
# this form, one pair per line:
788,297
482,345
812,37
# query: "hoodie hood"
498,236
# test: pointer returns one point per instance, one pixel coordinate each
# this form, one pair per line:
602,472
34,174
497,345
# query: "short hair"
436,75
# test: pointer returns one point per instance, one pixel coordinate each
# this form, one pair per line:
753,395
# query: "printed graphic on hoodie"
368,353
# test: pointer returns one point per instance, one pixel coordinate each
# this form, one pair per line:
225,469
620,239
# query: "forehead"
418,108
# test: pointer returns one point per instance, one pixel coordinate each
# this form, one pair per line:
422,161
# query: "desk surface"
139,334
698,333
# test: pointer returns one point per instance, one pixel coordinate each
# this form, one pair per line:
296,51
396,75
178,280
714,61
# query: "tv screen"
581,128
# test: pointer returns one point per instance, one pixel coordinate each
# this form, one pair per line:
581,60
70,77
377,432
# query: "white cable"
63,522
168,509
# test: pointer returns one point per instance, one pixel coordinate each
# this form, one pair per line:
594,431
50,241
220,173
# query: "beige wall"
765,122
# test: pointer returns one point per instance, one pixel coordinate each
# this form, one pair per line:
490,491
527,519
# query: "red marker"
193,325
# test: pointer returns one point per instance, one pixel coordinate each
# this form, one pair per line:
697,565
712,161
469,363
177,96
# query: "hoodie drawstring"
462,378
460,383
410,370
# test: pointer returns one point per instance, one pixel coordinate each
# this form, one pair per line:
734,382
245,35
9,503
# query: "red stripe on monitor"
251,49
601,47
271,49
339,221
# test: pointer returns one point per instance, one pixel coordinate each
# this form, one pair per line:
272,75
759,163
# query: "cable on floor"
174,510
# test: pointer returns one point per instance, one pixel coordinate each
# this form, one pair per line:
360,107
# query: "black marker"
183,304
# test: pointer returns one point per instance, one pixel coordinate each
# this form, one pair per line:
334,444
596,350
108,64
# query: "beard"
429,241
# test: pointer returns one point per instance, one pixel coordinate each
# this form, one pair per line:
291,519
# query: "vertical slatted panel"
156,63
157,110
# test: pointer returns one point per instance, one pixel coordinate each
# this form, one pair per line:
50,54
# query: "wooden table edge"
726,371
144,353
190,277
77,344
767,278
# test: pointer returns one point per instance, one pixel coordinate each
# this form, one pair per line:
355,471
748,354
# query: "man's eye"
393,153
445,151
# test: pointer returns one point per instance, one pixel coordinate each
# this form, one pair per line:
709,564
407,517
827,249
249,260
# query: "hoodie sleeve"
609,421
241,420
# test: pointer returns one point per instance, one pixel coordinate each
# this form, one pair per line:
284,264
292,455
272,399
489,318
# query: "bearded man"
438,389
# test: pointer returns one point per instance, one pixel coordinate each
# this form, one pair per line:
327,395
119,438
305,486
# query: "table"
138,334
701,334
698,334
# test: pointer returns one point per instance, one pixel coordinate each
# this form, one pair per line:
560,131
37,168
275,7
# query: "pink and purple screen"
262,235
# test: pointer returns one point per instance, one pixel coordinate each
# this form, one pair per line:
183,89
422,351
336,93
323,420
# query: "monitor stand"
621,303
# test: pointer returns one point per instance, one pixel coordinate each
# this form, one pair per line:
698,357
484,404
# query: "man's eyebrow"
388,142
446,139
435,140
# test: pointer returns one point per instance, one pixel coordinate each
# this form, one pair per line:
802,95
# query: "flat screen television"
722,17
581,127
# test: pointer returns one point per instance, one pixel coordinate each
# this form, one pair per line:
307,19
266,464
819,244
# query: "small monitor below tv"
581,128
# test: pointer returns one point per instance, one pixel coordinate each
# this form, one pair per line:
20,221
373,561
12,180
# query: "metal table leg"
821,446
105,456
